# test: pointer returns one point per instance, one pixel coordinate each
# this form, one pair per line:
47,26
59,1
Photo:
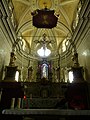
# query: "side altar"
10,87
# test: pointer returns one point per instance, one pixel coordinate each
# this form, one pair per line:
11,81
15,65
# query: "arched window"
44,70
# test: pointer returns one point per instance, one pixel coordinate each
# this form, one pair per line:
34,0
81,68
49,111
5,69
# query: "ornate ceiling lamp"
44,51
44,18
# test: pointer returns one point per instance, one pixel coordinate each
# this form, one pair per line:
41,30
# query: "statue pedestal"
77,74
10,73
77,92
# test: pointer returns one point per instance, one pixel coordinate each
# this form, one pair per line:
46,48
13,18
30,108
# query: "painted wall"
84,56
4,53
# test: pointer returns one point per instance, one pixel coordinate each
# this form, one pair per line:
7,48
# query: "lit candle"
12,103
0,95
19,103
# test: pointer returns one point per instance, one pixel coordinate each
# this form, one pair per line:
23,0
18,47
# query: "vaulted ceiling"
65,10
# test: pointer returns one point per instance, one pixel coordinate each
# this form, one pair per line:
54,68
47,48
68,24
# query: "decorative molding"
7,20
83,21
81,30
0,14
84,7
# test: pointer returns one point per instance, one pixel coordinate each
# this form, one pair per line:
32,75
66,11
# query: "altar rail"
44,114
60,112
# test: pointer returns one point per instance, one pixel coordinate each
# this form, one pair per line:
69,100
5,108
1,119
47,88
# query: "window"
44,71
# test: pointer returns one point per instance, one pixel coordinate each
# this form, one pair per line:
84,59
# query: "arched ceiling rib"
66,9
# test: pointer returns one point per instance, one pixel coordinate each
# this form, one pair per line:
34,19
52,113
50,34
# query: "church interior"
44,59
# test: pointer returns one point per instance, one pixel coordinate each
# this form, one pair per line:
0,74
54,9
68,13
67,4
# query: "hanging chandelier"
44,51
44,18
